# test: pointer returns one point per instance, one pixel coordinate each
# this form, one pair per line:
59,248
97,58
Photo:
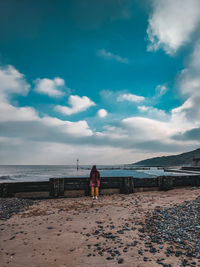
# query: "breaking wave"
6,177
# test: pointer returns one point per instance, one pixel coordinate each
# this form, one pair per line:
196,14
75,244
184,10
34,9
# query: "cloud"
189,78
79,128
130,97
50,87
23,132
142,128
25,122
172,23
188,82
160,90
186,116
110,56
12,82
77,103
102,113
193,134
142,134
153,112
11,113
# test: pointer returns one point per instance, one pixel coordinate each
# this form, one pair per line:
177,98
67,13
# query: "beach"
113,230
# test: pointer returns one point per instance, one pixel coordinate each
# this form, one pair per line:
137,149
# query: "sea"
25,173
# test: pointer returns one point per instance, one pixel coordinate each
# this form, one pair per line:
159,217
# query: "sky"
105,82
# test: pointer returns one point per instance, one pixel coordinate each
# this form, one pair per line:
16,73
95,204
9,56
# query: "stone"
120,261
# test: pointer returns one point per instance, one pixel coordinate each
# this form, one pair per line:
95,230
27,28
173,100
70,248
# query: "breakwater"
74,187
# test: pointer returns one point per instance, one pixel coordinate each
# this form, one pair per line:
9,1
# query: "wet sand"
82,232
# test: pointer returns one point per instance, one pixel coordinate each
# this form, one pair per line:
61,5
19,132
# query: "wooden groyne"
197,169
73,187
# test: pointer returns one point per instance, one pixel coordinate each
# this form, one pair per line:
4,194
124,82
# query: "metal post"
77,164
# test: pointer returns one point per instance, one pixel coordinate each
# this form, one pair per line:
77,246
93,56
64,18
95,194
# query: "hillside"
174,160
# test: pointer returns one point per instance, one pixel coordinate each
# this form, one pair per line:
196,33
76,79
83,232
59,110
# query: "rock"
120,261
153,250
109,258
125,249
177,225
140,252
11,206
178,253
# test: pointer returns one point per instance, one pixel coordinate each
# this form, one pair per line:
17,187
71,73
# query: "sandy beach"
80,232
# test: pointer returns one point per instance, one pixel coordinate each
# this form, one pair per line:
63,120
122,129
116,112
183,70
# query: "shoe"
96,197
93,198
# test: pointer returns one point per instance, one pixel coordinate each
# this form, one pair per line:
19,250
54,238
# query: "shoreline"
37,173
81,232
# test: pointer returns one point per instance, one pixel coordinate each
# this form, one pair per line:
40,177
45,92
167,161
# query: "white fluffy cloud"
110,56
79,128
153,112
12,81
188,113
24,131
143,134
10,113
77,103
147,129
131,98
52,88
102,113
171,24
24,122
189,78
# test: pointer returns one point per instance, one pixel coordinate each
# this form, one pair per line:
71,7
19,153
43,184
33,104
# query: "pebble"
120,261
11,206
177,225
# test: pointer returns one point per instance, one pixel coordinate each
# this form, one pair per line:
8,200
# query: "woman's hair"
94,168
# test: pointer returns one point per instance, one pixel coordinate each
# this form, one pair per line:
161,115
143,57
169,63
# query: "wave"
6,177
19,175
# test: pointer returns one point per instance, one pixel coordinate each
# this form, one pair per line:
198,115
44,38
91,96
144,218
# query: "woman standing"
94,182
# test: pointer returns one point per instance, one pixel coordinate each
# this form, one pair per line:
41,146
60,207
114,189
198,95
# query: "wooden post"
61,187
165,183
131,184
6,190
56,187
87,190
198,180
127,185
3,190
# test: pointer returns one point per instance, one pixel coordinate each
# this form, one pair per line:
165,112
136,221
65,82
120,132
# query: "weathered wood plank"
56,187
198,180
145,182
165,182
189,180
9,189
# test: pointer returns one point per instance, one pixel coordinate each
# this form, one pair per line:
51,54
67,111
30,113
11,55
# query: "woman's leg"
97,191
92,191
